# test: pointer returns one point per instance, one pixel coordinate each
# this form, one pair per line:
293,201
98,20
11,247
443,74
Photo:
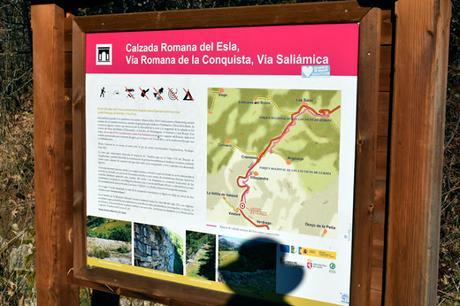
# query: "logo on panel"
103,54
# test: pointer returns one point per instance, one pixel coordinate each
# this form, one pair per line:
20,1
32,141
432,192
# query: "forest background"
17,163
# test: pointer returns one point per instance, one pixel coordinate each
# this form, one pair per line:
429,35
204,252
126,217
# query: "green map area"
273,159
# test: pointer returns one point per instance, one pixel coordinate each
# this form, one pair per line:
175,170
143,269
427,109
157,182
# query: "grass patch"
98,252
227,257
123,249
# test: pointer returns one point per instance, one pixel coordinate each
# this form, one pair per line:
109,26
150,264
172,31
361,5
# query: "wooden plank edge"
368,97
279,14
424,292
53,218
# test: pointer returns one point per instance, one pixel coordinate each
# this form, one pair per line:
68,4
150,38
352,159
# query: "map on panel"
273,159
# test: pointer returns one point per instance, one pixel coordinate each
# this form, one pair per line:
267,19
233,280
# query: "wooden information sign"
233,156
221,160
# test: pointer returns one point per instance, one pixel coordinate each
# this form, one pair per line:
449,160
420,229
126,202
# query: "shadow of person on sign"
256,271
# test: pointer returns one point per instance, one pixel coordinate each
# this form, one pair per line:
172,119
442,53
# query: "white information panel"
224,158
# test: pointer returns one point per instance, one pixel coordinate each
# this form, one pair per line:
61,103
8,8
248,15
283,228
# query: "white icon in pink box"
103,54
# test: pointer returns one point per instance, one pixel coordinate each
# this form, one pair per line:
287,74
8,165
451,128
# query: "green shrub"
92,222
99,252
120,234
123,249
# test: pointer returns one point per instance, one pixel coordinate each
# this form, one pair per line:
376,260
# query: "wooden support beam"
368,99
420,78
53,219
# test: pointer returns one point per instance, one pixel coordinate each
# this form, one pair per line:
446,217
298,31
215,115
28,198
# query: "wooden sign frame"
366,134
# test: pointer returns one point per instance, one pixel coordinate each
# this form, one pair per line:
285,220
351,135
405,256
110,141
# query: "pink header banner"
327,49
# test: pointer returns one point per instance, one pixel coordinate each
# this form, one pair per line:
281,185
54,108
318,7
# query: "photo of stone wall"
158,248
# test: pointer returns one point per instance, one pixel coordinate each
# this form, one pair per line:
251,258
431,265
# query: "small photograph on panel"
248,266
200,255
109,239
158,248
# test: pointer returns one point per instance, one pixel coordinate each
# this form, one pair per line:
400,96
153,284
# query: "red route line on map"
271,144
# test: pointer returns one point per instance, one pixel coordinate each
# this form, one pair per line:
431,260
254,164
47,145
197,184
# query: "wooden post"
420,77
53,220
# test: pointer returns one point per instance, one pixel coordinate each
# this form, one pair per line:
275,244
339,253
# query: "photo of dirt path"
201,255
